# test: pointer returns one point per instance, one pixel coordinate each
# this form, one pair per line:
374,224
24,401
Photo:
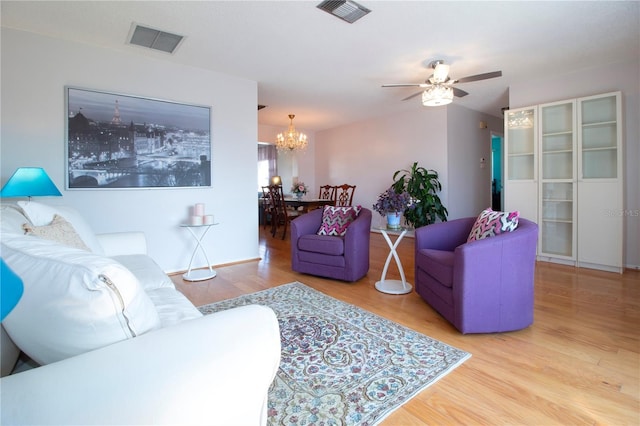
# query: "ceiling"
329,72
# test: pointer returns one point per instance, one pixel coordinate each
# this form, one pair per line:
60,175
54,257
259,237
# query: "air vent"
154,39
346,10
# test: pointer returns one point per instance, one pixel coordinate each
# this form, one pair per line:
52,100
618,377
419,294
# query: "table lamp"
276,180
29,182
11,289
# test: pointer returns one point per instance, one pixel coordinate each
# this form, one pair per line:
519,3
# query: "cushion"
58,230
324,244
149,274
438,264
491,223
11,219
42,214
74,301
336,220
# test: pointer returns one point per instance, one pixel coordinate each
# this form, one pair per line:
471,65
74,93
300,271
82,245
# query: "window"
263,174
267,164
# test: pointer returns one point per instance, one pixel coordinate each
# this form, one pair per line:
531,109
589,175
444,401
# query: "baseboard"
587,265
255,259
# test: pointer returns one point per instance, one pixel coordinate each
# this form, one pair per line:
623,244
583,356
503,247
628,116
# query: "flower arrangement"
392,201
299,188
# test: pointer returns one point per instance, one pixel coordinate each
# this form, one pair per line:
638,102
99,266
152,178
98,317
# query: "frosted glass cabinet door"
599,137
521,166
520,128
557,218
558,140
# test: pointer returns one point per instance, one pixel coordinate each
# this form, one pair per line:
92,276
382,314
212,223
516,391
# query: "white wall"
601,79
469,182
367,153
35,70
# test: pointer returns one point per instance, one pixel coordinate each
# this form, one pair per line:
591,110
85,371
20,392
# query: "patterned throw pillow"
59,230
491,223
335,220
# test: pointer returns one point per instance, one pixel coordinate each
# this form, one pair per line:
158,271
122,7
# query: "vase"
299,195
393,220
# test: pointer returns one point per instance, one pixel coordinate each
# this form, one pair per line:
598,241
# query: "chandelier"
291,140
437,95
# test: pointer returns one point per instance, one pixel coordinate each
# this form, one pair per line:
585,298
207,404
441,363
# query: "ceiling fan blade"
477,77
459,93
406,85
412,96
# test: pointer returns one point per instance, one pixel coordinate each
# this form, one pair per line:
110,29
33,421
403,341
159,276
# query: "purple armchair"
342,258
484,286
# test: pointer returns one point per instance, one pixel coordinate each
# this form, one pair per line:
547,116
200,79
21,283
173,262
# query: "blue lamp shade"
29,182
11,289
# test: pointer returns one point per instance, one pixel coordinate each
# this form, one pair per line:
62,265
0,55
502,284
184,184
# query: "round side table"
199,274
393,286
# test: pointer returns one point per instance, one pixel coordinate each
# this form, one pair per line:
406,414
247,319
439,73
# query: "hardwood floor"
579,363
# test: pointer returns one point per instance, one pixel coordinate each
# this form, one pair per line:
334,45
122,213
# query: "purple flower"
391,201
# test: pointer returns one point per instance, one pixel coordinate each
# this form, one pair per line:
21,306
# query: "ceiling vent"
346,10
154,39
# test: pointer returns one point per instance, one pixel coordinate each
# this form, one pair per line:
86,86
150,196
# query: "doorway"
497,195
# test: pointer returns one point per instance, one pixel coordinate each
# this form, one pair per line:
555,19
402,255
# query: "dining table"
305,204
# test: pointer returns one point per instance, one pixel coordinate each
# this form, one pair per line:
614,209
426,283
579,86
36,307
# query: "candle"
196,220
208,219
199,210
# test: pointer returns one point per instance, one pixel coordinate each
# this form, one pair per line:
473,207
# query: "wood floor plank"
578,364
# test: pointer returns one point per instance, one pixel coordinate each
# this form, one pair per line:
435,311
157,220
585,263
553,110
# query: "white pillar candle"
199,210
196,220
208,219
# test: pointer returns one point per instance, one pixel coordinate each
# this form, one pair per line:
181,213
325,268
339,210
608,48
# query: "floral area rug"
342,365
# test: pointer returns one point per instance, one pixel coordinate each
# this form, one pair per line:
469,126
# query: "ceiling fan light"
437,95
440,73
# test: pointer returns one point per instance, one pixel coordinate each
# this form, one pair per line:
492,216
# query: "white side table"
393,286
199,274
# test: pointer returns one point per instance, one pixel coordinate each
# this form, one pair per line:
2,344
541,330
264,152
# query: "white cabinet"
563,167
521,165
600,197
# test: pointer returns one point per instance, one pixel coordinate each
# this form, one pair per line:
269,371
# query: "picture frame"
117,141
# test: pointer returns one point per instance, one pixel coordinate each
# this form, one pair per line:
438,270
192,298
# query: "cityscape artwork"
124,141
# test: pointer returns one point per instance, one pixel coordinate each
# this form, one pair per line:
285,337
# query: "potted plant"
393,204
299,189
423,187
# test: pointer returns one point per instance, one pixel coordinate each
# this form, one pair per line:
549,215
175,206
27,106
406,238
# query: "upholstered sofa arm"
123,243
499,258
216,369
444,235
358,230
496,271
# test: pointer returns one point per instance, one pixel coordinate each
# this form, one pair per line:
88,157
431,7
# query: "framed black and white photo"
125,141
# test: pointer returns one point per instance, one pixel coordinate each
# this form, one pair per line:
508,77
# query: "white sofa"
117,343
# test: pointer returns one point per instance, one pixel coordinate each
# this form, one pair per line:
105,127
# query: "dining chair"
344,195
327,192
265,206
280,214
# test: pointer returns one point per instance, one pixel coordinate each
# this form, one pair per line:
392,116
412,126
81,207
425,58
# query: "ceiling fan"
439,88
